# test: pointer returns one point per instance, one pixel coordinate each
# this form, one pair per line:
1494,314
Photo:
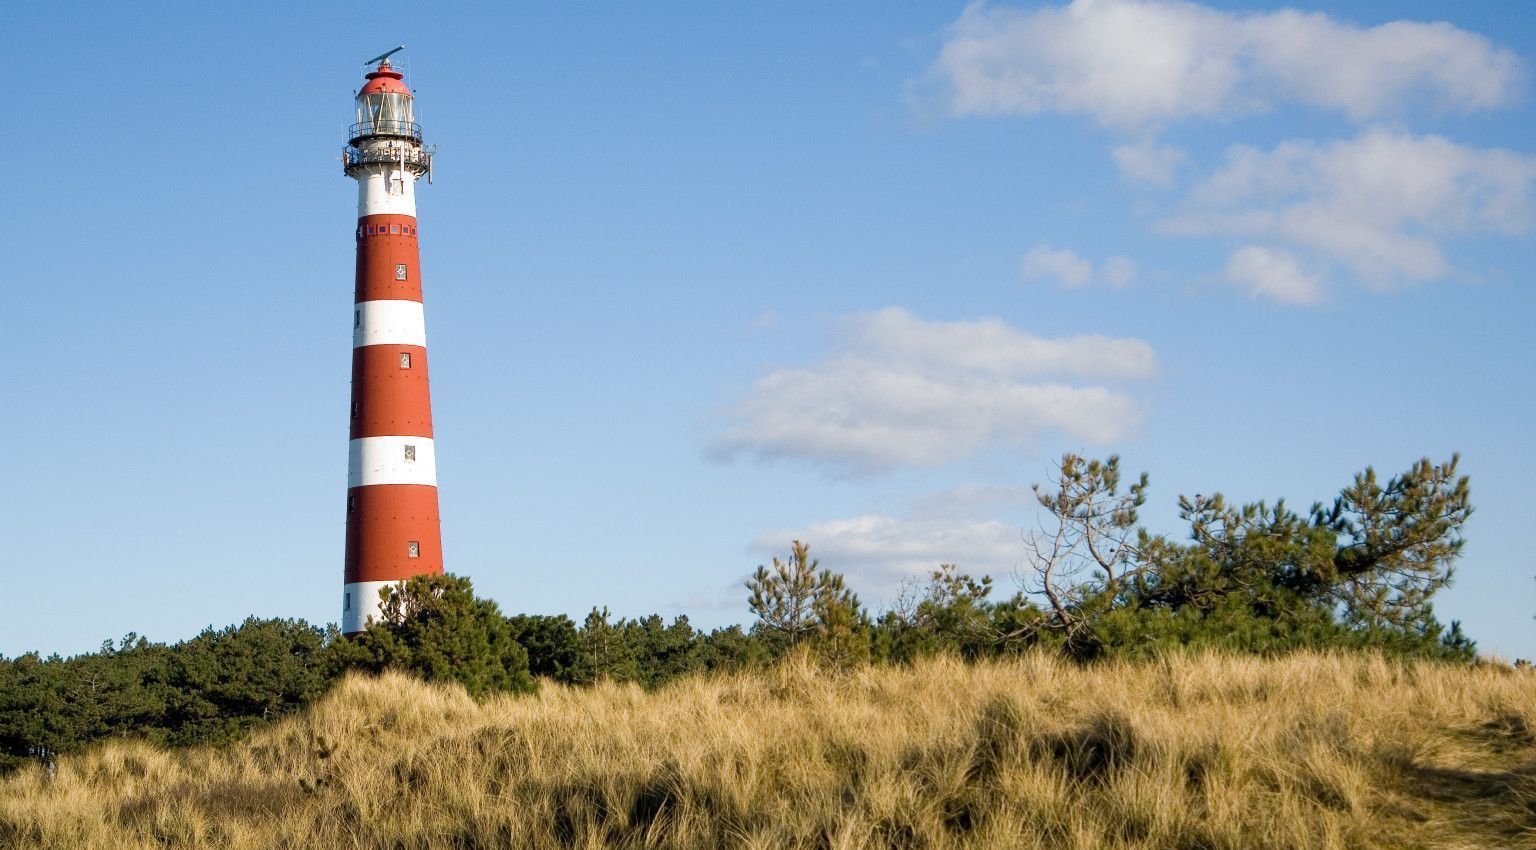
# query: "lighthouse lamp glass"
385,112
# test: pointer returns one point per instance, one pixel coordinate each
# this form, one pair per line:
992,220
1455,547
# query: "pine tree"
434,627
604,652
798,604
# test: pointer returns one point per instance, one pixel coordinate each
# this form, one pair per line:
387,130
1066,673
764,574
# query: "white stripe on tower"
391,460
375,198
389,323
360,601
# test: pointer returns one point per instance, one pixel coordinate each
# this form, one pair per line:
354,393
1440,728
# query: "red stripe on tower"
392,524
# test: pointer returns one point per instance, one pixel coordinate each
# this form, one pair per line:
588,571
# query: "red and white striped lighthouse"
392,522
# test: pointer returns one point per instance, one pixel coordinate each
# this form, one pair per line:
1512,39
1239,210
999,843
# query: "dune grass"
1308,751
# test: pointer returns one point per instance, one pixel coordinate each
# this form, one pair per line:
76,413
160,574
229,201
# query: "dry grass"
1212,752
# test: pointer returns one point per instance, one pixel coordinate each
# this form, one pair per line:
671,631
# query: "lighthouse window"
405,360
357,319
399,271
351,502
355,406
370,230
413,549
410,454
346,602
394,228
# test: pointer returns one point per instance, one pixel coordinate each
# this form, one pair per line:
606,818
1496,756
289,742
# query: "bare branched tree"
1090,529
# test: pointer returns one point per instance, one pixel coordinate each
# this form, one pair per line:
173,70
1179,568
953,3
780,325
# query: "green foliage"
1253,577
1397,543
434,627
784,600
209,689
650,652
552,644
604,651
39,714
952,614
730,648
797,605
662,652
220,683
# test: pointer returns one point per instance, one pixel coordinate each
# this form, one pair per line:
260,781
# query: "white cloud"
1071,271
1142,63
1379,204
1043,263
903,391
1367,73
1268,273
990,346
1148,162
870,417
876,551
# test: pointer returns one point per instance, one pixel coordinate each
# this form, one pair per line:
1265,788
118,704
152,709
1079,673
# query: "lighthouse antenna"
385,55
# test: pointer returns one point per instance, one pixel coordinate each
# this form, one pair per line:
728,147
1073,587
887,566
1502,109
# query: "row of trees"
211,688
218,685
1359,572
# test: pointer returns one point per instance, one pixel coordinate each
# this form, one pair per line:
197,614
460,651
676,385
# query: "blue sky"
701,279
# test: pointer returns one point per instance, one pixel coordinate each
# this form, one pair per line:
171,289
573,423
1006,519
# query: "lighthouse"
392,523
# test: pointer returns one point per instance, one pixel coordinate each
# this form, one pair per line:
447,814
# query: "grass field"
1309,751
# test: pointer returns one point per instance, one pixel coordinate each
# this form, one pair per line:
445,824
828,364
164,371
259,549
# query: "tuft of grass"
1207,751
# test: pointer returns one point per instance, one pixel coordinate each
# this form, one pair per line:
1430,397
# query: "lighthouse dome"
384,79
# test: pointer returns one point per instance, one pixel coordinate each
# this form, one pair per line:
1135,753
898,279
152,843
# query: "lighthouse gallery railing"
402,129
